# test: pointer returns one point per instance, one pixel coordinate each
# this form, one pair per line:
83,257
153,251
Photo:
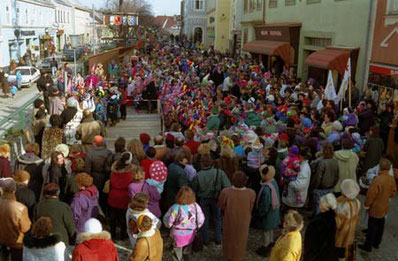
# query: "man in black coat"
44,85
24,194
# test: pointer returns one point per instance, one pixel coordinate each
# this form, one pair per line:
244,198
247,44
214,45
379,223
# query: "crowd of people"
245,147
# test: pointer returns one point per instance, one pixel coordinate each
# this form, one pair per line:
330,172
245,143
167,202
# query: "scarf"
274,197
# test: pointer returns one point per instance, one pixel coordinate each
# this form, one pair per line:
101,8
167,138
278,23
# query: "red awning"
330,59
281,49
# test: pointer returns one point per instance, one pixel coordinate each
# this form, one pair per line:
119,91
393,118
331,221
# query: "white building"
25,24
63,22
195,20
235,26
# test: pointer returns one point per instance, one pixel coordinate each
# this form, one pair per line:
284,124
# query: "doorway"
198,35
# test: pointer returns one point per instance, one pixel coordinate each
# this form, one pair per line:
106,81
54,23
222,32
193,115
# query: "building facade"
252,14
331,31
195,20
25,25
383,69
234,36
64,22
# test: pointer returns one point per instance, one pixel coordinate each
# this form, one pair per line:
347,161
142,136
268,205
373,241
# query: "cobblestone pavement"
388,250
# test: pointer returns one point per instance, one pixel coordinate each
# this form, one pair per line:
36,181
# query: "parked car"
29,74
68,54
45,63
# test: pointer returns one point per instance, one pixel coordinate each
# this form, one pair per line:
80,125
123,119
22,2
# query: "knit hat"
158,171
336,125
356,136
169,137
270,173
294,150
93,226
51,189
98,140
145,138
20,176
349,188
257,144
63,148
214,110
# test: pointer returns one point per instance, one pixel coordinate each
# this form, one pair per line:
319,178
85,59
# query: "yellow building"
218,24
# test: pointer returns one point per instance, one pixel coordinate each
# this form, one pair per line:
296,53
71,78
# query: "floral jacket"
182,219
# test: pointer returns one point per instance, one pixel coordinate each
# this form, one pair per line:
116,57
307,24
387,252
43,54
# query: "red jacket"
5,168
193,146
95,247
118,192
145,164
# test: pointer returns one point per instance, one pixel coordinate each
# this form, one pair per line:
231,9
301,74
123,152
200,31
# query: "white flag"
330,91
344,83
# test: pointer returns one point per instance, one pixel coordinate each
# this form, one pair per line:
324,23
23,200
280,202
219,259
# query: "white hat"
271,98
63,148
93,226
336,125
72,103
349,188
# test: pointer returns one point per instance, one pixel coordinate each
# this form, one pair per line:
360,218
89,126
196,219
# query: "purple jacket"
84,206
152,192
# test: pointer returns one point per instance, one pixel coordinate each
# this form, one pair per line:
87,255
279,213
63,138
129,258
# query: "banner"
344,83
330,90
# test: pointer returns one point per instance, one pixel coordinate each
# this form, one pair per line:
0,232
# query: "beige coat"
347,217
148,248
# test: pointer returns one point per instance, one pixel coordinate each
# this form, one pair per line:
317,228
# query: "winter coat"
88,129
265,217
213,123
161,151
26,197
366,120
347,217
151,191
61,217
374,148
5,168
71,123
95,247
300,185
253,119
326,174
32,164
380,191
55,105
176,179
14,221
51,138
50,248
204,186
84,206
348,162
319,240
288,247
95,165
149,247
133,214
119,182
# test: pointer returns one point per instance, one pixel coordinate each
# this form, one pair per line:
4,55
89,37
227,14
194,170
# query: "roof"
165,22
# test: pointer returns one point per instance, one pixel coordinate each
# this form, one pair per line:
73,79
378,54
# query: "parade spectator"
145,138
319,240
41,244
94,244
289,244
14,220
135,147
236,203
374,148
23,194
190,142
5,166
52,136
146,163
71,119
55,102
347,161
160,147
88,129
59,212
377,203
44,85
183,218
120,147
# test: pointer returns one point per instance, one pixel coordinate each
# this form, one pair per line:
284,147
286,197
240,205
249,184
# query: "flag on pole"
330,91
344,83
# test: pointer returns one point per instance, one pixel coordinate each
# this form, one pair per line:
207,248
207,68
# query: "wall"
194,18
82,24
345,22
252,14
106,58
221,42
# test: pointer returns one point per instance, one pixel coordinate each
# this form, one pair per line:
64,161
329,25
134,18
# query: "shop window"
8,14
392,7
313,1
259,5
290,2
245,6
273,3
26,16
198,5
251,6
316,41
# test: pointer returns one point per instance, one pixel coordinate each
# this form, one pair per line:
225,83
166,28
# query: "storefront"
46,46
276,45
384,78
333,58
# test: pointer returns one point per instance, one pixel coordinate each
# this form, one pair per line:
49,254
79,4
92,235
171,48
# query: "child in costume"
290,168
158,174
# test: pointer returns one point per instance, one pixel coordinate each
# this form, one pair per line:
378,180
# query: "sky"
159,7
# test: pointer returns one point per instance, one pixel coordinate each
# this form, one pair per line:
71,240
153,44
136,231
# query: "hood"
93,241
30,241
29,158
343,155
91,192
128,168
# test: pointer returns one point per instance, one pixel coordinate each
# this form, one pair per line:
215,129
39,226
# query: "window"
393,7
245,6
251,6
64,17
290,2
26,16
245,35
316,41
273,3
313,1
259,5
8,14
198,5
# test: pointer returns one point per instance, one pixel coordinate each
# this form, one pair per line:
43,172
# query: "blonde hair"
135,147
293,221
138,173
204,149
227,152
33,147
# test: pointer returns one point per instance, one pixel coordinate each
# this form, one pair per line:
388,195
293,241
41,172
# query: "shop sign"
271,32
384,70
28,33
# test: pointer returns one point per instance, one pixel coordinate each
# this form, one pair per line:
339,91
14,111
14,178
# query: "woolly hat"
72,103
257,144
294,150
63,148
349,188
356,136
98,140
145,138
93,226
336,125
158,171
169,137
270,172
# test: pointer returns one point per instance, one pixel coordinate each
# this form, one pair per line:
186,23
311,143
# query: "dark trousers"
375,232
123,111
14,253
213,212
118,219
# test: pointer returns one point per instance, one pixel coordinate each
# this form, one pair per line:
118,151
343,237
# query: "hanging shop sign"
384,70
27,33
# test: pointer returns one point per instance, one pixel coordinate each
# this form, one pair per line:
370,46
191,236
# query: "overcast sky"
160,7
